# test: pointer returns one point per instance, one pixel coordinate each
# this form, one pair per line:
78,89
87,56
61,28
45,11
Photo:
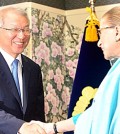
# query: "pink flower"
72,72
63,59
57,79
45,25
54,110
59,87
42,45
46,31
53,92
65,97
69,64
75,63
54,52
35,29
34,20
53,101
47,60
70,51
49,87
58,71
66,90
48,97
38,60
47,108
51,74
43,52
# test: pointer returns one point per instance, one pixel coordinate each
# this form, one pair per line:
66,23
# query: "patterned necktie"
15,74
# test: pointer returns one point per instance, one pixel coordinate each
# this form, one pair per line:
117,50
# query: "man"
21,96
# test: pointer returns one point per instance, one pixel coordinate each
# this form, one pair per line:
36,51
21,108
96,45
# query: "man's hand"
48,127
31,128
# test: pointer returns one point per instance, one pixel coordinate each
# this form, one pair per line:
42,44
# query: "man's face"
11,41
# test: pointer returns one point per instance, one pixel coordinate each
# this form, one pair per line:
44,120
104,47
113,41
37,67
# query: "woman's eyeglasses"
99,30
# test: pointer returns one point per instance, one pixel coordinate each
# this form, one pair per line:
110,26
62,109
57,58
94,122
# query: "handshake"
37,127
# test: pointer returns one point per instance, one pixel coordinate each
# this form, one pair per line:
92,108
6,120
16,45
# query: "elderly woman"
103,117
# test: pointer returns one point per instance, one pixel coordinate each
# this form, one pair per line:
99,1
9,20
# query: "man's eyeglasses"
16,31
99,30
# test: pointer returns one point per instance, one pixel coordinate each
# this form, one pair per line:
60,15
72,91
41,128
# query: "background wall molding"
62,4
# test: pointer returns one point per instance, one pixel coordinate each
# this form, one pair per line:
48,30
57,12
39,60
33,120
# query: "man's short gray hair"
17,10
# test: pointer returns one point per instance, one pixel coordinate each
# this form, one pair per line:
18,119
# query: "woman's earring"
99,43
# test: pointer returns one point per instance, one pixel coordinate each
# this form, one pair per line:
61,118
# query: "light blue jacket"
103,117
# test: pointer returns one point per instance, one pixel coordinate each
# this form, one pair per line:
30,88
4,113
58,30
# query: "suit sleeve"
9,124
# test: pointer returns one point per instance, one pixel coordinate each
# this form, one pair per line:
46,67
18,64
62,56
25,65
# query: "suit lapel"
6,75
26,75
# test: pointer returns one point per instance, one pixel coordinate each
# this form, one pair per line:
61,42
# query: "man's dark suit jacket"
12,114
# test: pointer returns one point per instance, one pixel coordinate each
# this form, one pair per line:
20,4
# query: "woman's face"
107,40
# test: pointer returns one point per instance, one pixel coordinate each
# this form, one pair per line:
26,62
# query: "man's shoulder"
28,61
